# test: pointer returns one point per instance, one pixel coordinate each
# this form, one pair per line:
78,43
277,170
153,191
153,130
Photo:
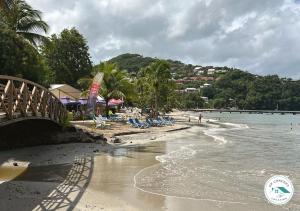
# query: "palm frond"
19,16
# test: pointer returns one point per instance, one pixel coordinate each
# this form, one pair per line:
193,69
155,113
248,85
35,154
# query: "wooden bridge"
21,99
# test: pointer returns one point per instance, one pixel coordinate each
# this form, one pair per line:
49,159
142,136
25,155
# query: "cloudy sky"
261,36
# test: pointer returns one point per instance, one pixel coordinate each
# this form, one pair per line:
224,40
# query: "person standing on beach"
200,117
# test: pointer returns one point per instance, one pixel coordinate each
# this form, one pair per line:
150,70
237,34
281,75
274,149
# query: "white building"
197,68
206,85
221,71
205,99
211,71
200,72
191,90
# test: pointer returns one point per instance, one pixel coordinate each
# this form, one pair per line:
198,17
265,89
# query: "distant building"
206,85
200,72
197,78
205,99
211,71
221,71
191,90
197,68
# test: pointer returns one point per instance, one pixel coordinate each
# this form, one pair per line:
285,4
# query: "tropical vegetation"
116,83
21,18
146,82
67,56
155,88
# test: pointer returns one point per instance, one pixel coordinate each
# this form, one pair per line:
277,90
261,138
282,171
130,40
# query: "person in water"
200,117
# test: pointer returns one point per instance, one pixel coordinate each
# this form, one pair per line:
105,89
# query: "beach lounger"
153,123
143,124
170,119
115,117
100,117
133,123
166,122
100,123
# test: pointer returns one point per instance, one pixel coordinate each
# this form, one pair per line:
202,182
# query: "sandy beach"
97,176
81,176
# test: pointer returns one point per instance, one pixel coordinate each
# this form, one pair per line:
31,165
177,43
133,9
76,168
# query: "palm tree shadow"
68,193
51,187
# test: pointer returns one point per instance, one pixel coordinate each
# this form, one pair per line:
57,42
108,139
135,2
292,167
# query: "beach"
65,176
144,171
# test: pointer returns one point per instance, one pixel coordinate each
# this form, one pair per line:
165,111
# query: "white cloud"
260,36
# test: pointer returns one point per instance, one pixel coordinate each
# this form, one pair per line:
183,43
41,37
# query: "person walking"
200,117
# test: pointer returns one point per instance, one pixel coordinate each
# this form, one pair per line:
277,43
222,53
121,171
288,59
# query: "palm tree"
20,17
116,83
157,78
5,3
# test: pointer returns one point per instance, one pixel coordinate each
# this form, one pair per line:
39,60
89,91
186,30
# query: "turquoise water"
229,161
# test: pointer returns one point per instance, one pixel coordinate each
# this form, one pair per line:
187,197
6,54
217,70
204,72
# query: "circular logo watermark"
279,190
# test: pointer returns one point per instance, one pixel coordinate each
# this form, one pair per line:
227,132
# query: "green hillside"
133,62
231,88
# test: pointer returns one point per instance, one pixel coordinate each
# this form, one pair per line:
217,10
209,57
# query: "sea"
228,160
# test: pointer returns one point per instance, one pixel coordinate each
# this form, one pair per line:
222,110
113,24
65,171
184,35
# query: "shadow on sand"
73,187
55,186
50,187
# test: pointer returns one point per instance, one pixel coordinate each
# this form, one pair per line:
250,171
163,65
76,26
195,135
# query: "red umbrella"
115,102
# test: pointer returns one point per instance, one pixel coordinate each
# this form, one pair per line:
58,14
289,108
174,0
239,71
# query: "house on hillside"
206,85
189,90
211,71
221,71
196,69
205,99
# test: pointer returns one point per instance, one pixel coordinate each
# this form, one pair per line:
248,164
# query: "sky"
260,36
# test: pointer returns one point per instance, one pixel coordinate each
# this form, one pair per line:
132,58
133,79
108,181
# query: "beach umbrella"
100,100
73,103
115,102
64,100
82,101
65,91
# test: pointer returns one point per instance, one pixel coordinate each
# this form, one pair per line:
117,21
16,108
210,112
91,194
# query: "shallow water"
230,161
48,173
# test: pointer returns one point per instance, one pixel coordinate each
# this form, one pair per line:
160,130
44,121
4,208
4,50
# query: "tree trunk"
106,107
156,104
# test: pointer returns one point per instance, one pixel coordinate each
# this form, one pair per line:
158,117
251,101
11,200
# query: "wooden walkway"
21,99
248,111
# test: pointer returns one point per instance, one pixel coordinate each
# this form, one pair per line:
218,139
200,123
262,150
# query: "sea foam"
215,130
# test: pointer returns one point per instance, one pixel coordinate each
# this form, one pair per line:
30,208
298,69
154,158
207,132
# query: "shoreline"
41,172
102,176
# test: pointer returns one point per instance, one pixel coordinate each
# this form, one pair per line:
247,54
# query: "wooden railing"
20,98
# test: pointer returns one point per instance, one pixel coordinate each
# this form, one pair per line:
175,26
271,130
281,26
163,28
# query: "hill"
225,87
133,62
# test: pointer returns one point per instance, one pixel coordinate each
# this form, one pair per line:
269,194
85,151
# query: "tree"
68,57
116,83
192,100
19,58
20,17
155,88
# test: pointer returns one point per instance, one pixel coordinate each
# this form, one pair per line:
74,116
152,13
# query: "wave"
185,152
218,128
135,185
